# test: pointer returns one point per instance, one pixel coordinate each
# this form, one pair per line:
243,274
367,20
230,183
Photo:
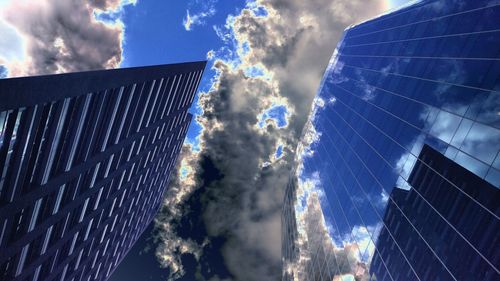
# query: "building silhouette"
400,157
84,161
430,190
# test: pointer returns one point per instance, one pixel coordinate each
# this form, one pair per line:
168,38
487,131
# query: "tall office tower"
84,161
417,90
289,233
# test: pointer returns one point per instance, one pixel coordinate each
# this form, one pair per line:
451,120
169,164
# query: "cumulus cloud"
290,44
182,185
207,10
54,36
11,45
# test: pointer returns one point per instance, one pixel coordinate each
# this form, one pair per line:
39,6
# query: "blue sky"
155,34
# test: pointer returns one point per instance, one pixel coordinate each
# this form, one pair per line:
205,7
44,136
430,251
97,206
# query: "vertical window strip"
146,105
3,122
182,90
58,199
169,97
8,141
163,98
95,119
138,104
112,119
125,113
154,104
27,138
55,140
34,160
174,95
194,87
34,214
22,259
79,128
185,91
198,80
190,89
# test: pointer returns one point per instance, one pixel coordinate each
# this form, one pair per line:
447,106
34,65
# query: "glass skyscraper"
398,169
84,161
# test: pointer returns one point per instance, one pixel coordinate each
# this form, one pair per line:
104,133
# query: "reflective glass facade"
84,161
398,170
429,189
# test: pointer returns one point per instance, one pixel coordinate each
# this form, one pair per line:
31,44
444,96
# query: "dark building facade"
84,161
401,151
476,227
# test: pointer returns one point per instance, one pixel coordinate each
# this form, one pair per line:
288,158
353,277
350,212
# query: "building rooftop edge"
385,13
32,90
204,62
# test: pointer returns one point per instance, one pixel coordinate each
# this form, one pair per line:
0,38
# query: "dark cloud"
292,46
64,36
172,243
104,4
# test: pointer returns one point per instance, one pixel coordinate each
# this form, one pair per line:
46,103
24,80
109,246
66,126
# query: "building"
478,228
84,161
408,91
289,249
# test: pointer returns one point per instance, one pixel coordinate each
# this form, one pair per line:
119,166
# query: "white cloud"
210,54
12,45
208,10
53,36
